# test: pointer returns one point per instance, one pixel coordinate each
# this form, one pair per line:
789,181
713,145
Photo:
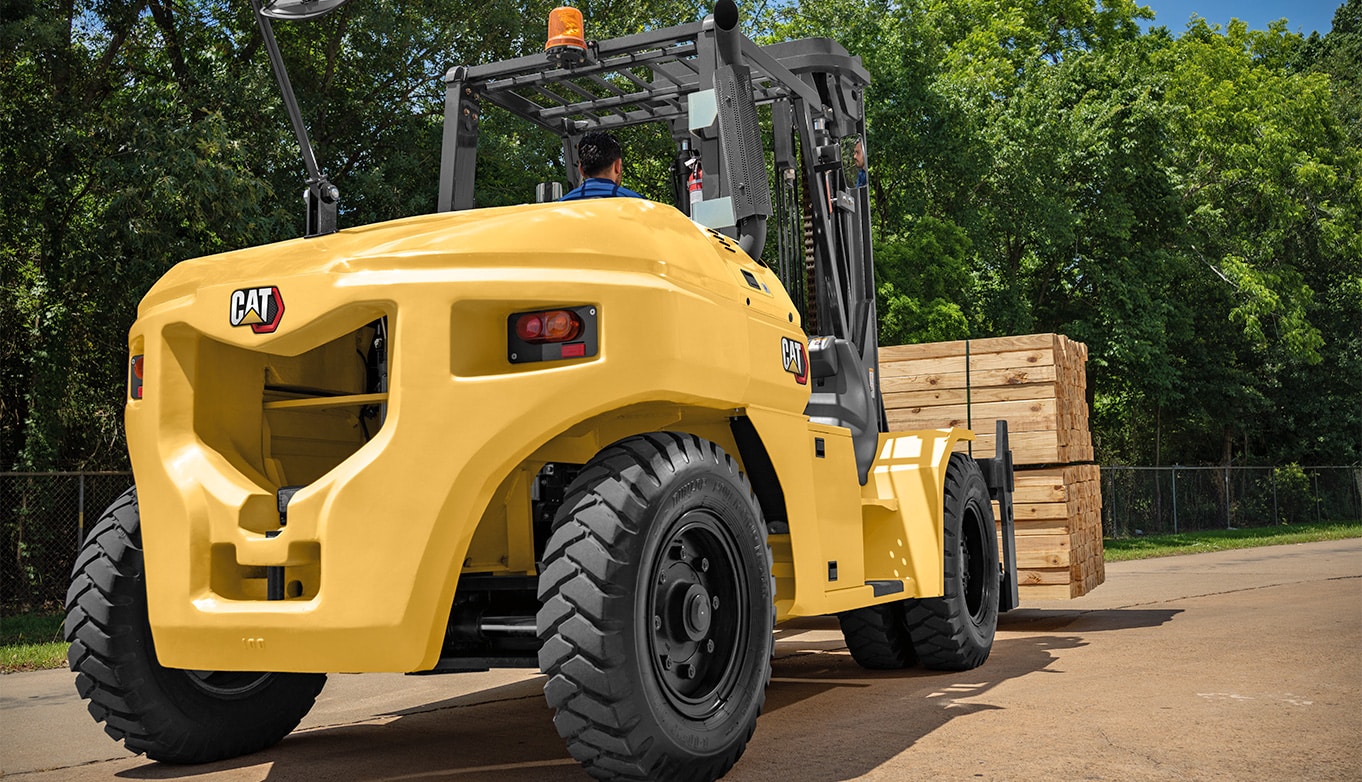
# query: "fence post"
80,515
1175,499
1109,502
1114,517
1275,518
1229,524
1317,502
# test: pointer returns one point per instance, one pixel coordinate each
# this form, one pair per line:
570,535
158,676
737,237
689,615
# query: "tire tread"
116,670
877,637
939,626
579,593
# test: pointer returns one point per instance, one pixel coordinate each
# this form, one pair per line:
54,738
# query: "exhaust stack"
740,133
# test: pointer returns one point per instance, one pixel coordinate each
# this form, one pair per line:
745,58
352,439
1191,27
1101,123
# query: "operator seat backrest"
842,397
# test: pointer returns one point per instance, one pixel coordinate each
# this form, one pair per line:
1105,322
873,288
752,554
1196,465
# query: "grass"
31,642
1147,546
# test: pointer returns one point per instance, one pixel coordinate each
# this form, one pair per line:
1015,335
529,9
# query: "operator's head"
599,155
858,153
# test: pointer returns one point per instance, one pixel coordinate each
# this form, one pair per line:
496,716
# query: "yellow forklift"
613,439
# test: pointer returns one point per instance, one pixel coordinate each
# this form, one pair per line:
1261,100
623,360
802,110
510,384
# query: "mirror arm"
321,197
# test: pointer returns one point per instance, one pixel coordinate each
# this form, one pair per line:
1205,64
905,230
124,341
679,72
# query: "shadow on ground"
1041,620
819,703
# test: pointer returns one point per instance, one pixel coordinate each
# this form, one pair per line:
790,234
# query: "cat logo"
259,308
795,358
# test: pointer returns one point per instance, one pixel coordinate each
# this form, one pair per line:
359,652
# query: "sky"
1302,16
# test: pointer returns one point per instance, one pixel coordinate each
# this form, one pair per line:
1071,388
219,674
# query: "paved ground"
1237,665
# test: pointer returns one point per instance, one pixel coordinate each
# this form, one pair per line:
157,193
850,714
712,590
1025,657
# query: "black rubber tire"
171,715
955,632
877,636
650,679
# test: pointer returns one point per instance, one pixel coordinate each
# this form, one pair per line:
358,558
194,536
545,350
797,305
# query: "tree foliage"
1188,205
1186,202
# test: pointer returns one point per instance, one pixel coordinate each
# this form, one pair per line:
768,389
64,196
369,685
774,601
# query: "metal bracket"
999,477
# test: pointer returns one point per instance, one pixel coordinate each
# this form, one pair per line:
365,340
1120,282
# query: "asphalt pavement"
1238,665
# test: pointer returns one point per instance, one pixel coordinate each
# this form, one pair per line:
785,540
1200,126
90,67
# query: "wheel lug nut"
714,603
685,671
657,622
709,646
704,565
667,663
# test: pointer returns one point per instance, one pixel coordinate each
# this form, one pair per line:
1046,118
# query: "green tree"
111,176
1188,205
1270,187
1185,205
140,133
1339,54
924,284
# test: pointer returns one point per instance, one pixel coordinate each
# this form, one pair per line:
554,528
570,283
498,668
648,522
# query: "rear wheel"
955,631
657,611
171,715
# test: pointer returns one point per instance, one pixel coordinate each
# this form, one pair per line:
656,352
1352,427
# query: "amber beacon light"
567,40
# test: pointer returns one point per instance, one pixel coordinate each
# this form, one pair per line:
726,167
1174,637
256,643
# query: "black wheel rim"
975,586
697,614
228,684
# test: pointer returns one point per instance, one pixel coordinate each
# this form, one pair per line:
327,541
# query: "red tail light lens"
538,328
530,327
135,378
564,332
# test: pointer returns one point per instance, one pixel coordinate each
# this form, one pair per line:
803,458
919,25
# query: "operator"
601,164
858,155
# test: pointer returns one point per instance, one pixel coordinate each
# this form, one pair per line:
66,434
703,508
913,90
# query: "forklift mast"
705,81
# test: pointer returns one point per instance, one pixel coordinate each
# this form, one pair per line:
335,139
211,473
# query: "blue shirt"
598,187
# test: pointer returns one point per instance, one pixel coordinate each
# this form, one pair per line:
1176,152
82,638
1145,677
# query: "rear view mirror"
296,10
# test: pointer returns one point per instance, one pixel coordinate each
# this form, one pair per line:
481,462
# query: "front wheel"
954,632
171,715
877,636
657,611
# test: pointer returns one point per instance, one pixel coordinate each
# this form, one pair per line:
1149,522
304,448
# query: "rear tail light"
135,371
551,326
552,334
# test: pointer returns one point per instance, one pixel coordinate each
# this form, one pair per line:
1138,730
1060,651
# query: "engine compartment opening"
321,406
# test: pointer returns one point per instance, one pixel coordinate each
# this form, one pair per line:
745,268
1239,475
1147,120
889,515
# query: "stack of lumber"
1058,531
1037,383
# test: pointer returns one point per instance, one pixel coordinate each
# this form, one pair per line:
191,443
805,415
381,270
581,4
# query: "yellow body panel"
390,515
887,530
903,504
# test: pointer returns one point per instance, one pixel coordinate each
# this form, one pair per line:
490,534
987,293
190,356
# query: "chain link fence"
46,515
1159,500
43,521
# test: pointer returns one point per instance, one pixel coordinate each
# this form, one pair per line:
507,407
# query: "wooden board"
937,397
986,345
1028,448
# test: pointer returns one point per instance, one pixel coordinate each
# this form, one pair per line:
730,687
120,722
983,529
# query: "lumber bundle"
1037,383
